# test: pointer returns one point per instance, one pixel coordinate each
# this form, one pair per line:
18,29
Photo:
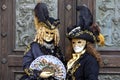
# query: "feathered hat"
86,29
42,17
43,22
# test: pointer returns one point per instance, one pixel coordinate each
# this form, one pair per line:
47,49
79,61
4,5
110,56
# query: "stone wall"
109,77
108,17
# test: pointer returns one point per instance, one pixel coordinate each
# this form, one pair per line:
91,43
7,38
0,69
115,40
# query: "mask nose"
48,35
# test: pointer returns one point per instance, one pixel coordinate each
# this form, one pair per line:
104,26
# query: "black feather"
41,12
85,17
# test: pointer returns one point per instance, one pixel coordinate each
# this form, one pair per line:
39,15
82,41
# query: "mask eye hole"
73,42
79,41
46,32
51,33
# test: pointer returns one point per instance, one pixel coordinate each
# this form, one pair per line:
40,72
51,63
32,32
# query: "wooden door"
17,31
0,39
10,57
13,38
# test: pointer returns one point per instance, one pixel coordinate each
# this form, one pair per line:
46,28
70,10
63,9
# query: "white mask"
78,49
78,45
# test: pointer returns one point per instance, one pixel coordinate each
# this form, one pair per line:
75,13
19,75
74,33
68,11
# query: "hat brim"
85,35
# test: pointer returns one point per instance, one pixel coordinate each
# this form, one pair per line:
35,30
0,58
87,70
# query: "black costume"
88,69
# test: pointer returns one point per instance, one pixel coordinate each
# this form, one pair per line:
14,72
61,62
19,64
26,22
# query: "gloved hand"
46,74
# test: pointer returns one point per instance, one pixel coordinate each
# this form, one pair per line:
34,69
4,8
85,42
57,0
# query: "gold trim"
82,32
74,70
86,31
75,57
72,65
28,71
27,49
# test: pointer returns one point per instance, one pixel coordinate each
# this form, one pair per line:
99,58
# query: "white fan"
50,63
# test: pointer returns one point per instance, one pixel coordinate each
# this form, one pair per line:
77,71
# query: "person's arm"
27,60
91,69
31,54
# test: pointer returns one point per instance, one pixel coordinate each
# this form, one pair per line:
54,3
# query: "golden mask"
48,35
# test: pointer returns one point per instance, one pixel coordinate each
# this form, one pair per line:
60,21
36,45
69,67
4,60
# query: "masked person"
45,43
85,61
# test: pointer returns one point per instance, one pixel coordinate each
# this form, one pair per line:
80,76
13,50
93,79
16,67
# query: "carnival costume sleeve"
32,53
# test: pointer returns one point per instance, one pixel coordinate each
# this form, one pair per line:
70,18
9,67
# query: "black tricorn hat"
75,32
42,15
